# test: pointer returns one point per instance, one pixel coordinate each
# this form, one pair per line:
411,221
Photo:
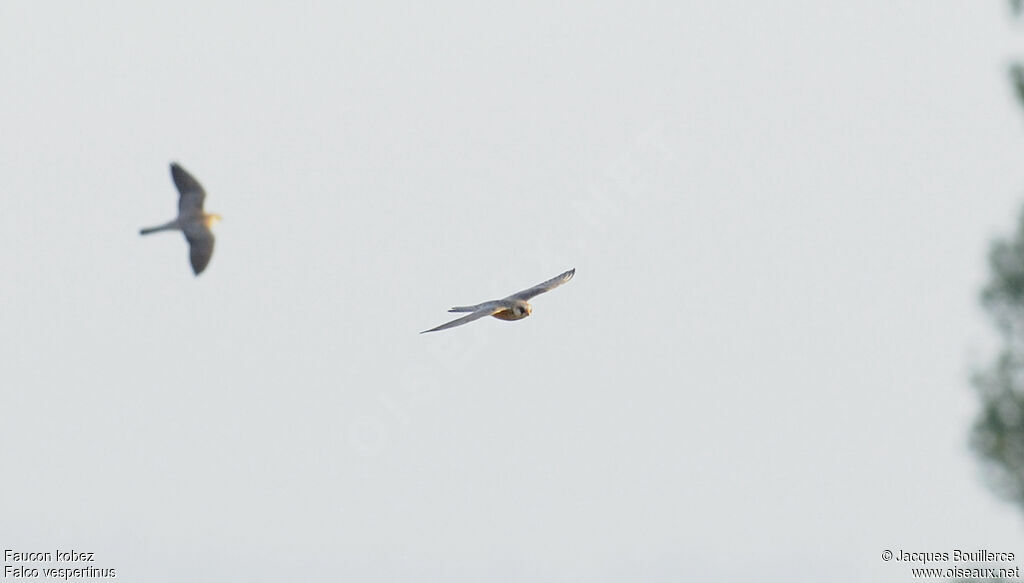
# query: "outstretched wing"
486,309
200,243
192,194
548,285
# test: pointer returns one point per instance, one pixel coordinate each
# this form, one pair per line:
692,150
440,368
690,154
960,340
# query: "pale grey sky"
778,213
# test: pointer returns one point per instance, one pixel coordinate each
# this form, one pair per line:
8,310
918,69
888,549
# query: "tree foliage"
998,432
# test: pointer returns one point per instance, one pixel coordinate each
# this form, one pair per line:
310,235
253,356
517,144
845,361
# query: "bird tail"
169,226
465,308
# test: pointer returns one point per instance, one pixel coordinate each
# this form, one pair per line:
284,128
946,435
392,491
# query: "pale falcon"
514,307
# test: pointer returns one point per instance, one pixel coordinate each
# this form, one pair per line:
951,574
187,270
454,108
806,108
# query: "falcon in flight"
191,219
514,307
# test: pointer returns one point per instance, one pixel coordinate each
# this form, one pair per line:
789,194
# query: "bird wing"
486,309
192,194
548,285
200,242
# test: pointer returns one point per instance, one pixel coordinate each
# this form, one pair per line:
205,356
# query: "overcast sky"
778,213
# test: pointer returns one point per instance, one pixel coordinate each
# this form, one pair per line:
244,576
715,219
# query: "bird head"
211,219
522,310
